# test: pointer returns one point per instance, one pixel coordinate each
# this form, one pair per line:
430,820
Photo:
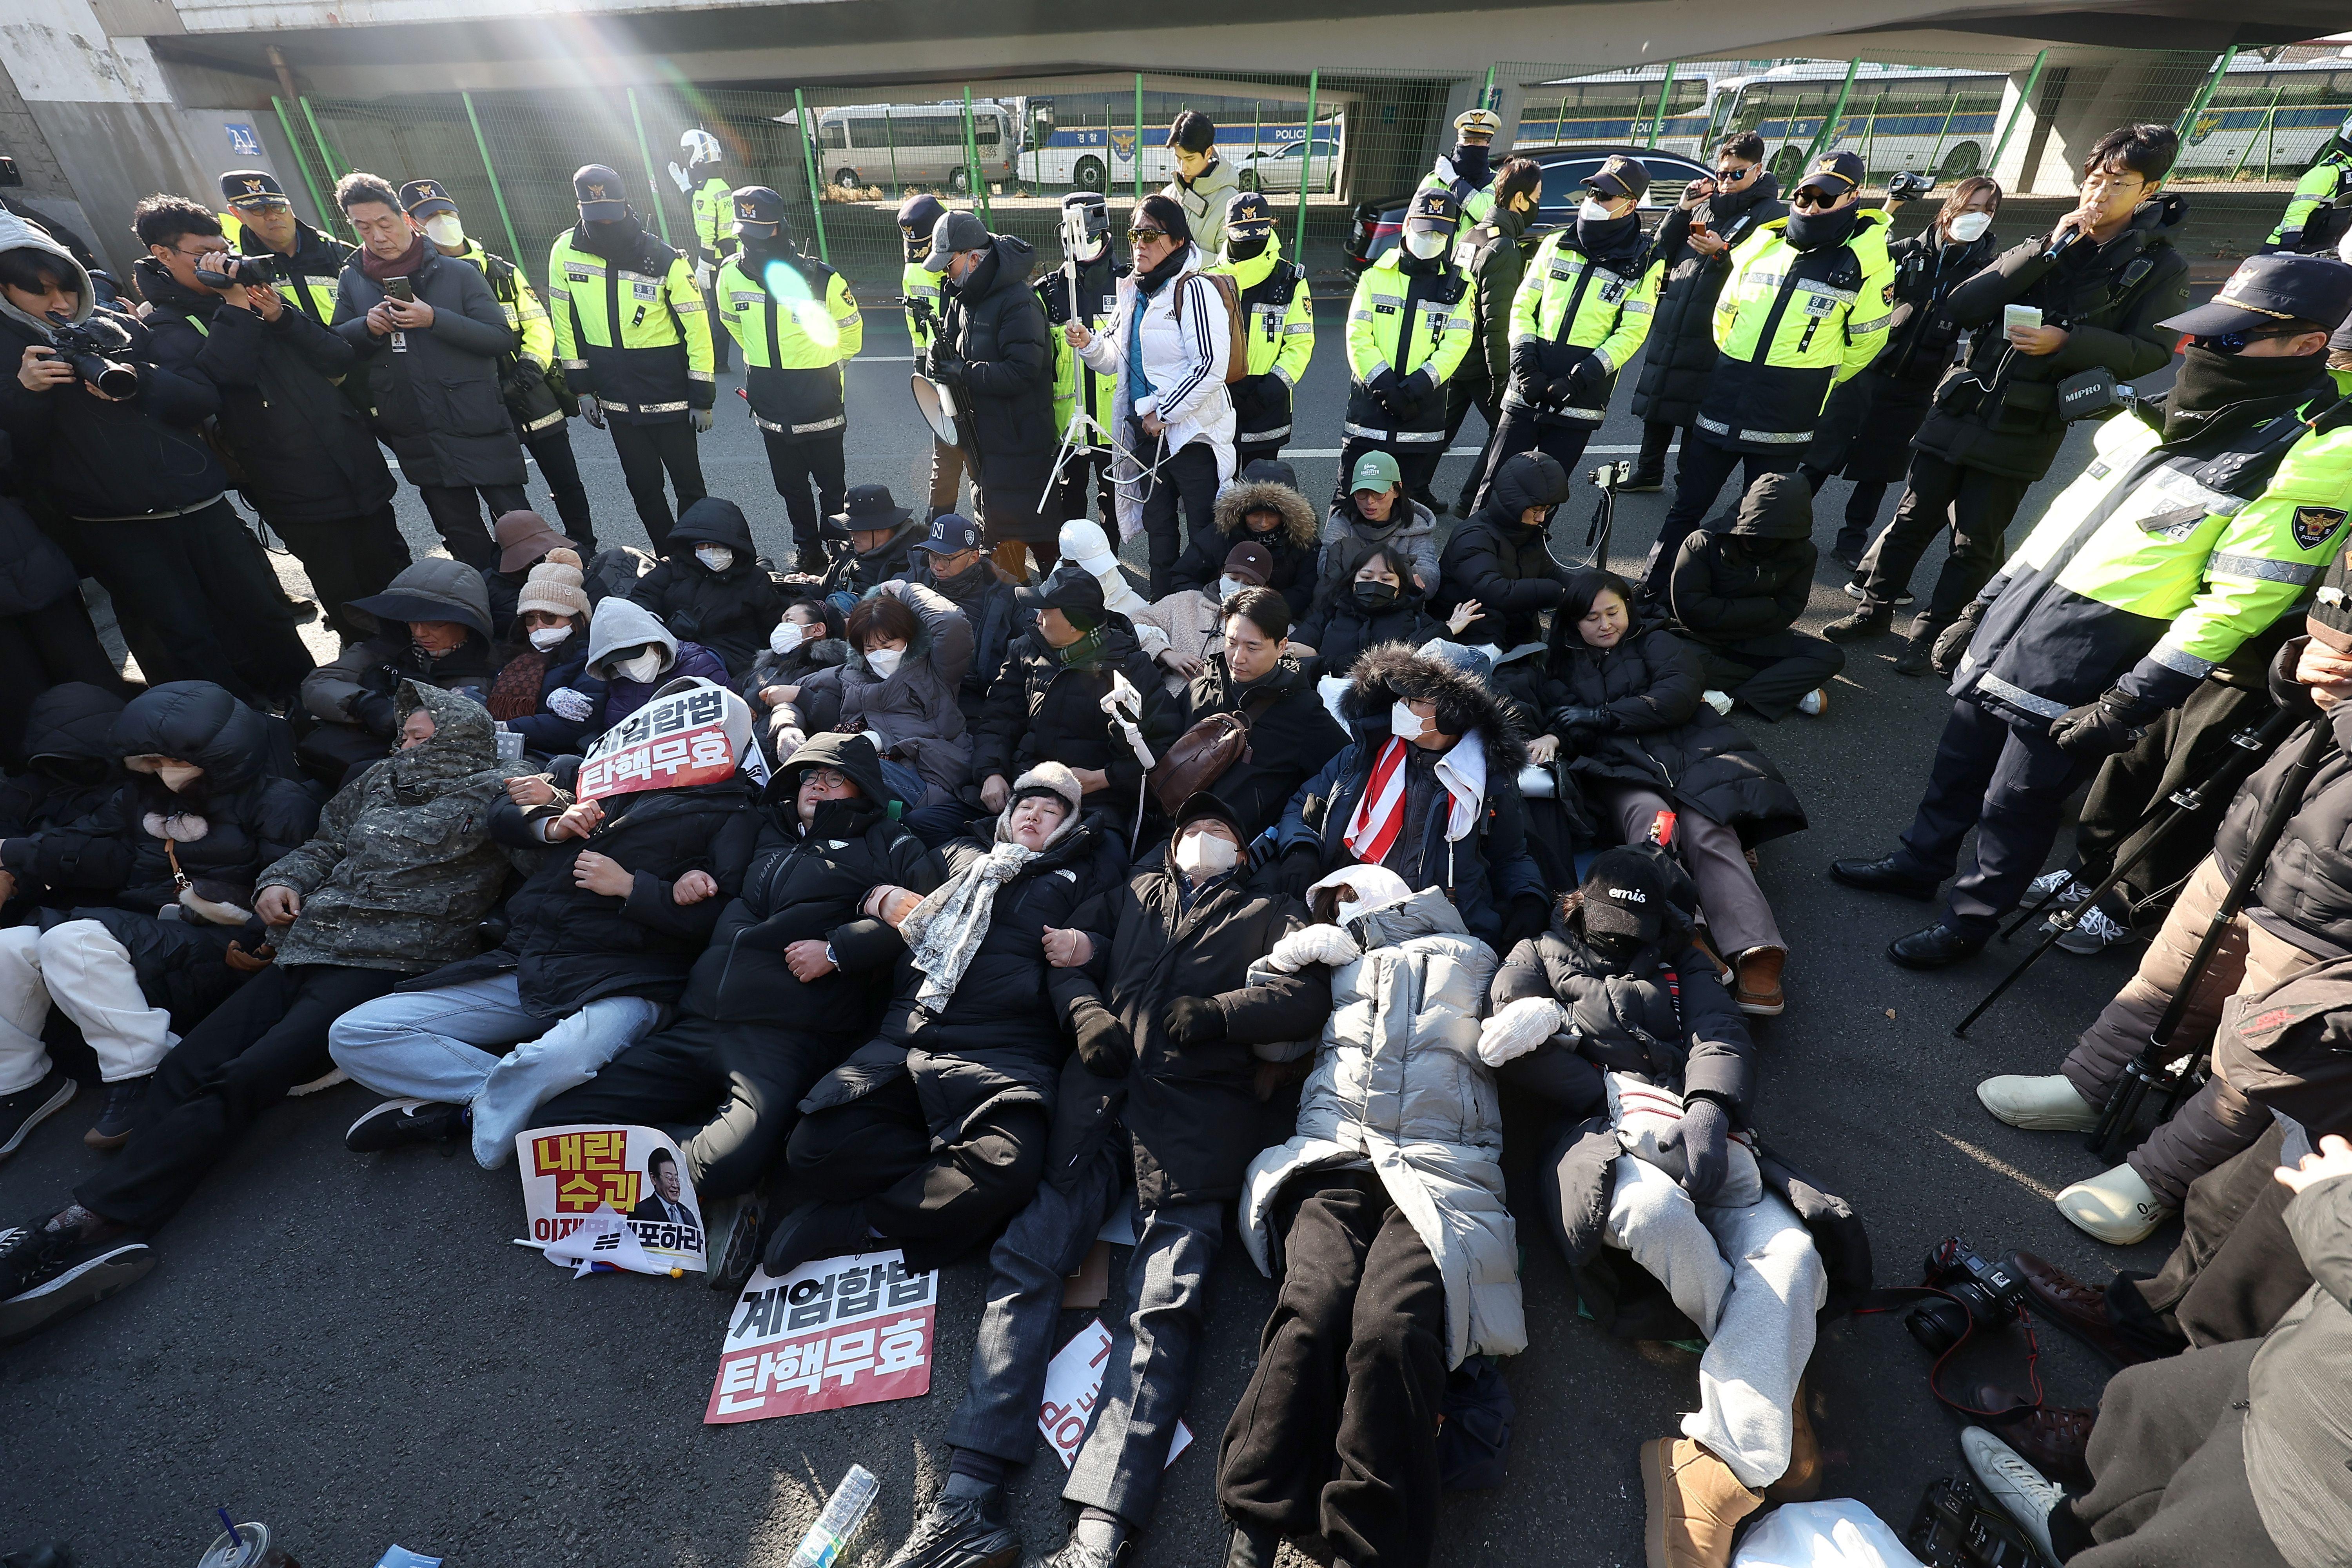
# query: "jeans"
647,452
1150,1375
797,462
1188,478
1975,505
458,517
427,1045
552,450
1699,474
2011,786
347,558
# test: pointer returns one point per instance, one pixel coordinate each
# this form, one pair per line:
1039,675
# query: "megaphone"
936,402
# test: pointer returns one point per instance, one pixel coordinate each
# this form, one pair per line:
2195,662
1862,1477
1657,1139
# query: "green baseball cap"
1375,471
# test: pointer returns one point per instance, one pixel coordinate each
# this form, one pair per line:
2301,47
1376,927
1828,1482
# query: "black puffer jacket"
1663,736
102,459
69,769
985,597
995,323
1681,352
1865,428
1341,629
1505,565
2304,892
1046,707
1291,542
891,559
35,572
228,825
1751,573
1292,735
731,612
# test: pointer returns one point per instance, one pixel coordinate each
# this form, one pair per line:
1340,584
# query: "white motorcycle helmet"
700,147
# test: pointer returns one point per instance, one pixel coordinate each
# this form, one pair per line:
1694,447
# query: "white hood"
15,233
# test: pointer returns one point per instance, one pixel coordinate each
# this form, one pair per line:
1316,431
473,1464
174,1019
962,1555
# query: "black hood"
1391,672
1007,267
1776,506
711,521
195,721
854,755
1529,478
71,723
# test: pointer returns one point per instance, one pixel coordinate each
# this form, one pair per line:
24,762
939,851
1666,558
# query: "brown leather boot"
1758,989
2079,1309
1802,1482
2054,1439
1694,1505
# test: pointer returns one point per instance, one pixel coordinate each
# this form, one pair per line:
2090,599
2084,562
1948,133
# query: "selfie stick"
1124,704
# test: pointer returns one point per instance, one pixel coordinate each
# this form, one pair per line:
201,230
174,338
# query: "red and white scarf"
1380,815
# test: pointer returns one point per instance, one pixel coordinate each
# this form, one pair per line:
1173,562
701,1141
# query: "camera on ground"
1978,1293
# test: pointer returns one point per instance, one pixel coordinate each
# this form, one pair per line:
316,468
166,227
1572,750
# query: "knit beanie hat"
555,586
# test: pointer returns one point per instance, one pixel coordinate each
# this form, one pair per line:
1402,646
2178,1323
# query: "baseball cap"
951,534
252,188
602,197
1071,589
420,199
1252,563
1375,471
1835,173
759,212
2269,292
1624,898
1433,208
955,232
1620,176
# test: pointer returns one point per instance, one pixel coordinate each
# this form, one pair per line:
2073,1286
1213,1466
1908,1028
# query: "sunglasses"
1145,236
1807,196
1732,176
2235,343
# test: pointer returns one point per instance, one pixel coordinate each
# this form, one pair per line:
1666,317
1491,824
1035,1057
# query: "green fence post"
285,123
2032,80
1486,93
808,162
1138,138
2248,150
1658,121
972,171
1936,158
653,181
326,151
1828,133
2181,126
500,196
1306,168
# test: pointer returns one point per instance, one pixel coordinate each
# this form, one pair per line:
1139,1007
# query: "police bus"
1088,141
896,144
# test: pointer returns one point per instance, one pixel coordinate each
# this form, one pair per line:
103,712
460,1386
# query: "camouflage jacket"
403,868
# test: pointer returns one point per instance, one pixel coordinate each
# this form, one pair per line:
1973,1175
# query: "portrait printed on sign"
568,1171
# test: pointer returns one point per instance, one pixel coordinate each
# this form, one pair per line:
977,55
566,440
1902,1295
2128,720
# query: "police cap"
2270,291
420,199
1433,207
602,198
1834,173
760,213
1249,215
1618,176
252,188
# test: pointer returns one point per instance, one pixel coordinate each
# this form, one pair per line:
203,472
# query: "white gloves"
1314,944
703,418
567,704
1518,1027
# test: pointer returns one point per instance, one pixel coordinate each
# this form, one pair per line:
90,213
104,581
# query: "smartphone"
399,289
2015,316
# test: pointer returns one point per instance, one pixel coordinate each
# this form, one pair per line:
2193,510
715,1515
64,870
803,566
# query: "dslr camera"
1978,1293
1909,186
266,269
91,357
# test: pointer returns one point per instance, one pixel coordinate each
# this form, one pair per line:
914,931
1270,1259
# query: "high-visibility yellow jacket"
1789,325
631,333
796,325
921,287
1098,305
1409,325
317,262
2313,222
1280,311
1572,308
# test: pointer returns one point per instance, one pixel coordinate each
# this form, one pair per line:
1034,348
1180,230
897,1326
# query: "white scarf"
947,928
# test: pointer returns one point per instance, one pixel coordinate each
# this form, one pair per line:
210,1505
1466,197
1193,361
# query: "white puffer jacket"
1186,364
1398,1089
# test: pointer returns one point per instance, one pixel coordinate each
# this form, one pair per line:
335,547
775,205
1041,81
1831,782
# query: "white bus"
898,144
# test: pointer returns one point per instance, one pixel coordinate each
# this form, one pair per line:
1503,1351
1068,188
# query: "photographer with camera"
111,439
305,458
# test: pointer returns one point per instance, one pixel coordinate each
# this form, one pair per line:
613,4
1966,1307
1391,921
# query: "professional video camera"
1909,186
88,355
1974,1293
236,269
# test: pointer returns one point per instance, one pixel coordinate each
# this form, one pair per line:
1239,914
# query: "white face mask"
1405,725
883,661
177,776
1228,586
1971,225
718,557
643,668
547,637
785,638
1593,211
443,228
1423,244
1205,853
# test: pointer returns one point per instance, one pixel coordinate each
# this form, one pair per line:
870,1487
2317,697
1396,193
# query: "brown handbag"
1204,754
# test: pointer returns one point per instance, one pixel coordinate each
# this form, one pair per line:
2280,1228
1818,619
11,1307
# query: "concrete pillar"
2080,100
1514,98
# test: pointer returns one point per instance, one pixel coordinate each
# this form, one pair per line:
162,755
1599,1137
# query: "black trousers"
2169,1471
1520,431
1657,435
1248,452
1698,479
948,467
204,591
1771,673
1975,505
1187,480
457,513
1336,1435
2237,1269
798,462
1085,471
647,453
269,1037
1417,463
552,450
1471,389
42,648
346,558
2180,749
941,1204
1861,504
726,1094
2011,785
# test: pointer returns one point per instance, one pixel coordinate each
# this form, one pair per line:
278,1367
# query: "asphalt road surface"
351,1349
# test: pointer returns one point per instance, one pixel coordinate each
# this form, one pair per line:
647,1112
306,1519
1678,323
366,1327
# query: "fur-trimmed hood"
1392,672
1241,497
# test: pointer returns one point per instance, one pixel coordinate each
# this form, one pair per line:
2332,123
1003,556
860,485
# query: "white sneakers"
1814,703
1718,700
2024,1493
2048,882
2118,1207
2038,1104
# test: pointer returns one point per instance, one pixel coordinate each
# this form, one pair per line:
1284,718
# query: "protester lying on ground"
1261,506
1737,588
1427,786
199,818
2229,1454
543,692
933,1133
950,562
2297,913
1160,1084
710,588
1376,602
396,878
1613,1018
1376,511
1384,1224
599,943
1086,544
1191,622
1498,557
70,770
523,539
633,654
796,977
433,624
806,641
1254,677
1623,703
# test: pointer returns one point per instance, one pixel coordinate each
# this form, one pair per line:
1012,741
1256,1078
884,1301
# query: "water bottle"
844,1511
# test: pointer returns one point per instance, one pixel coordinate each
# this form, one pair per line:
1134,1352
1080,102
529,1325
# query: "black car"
1373,225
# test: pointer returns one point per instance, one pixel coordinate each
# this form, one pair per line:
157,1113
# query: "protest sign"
570,1173
834,1333
671,742
1074,1381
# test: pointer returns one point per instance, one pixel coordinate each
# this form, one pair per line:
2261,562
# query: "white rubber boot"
2038,1104
2118,1207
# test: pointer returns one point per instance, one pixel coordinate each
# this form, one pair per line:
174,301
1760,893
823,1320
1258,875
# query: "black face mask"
2211,381
1608,235
1250,249
1470,161
1819,230
1376,596
1612,947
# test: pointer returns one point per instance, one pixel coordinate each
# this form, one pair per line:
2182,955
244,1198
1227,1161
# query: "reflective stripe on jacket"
1570,307
1414,323
1791,325
657,364
793,348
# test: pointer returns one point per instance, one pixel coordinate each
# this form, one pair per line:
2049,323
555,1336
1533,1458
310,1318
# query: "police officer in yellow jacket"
2194,527
1466,172
1807,305
535,389
798,326
1087,256
918,287
260,221
1583,309
712,202
1280,309
1409,325
2319,213
634,342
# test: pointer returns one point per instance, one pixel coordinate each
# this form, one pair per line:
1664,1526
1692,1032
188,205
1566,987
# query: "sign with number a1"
672,743
834,1333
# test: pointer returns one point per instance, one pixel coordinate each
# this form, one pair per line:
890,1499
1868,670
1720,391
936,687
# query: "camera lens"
1937,1325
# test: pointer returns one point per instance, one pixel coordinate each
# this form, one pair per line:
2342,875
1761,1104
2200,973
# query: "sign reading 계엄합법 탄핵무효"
671,742
832,1332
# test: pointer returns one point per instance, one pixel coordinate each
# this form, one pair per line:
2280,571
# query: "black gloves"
375,714
1598,720
1194,1021
1953,640
1301,868
1704,1135
947,366
2101,729
1527,918
1559,390
1105,1047
1388,390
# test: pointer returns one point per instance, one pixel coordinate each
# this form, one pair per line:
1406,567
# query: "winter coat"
1204,200
1487,869
375,665
1187,1114
893,558
1047,707
1192,623
2296,1449
1341,629
994,324
1292,544
570,703
820,706
985,597
2305,892
1748,574
806,885
69,769
1185,339
915,710
1411,530
236,819
303,452
1681,352
1666,738
1505,565
438,403
1398,1088
402,867
1292,735
1002,1038
1998,411
629,624
1865,428
731,612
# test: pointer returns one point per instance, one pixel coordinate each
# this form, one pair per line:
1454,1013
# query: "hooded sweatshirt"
1750,573
620,624
1291,542
1500,561
730,612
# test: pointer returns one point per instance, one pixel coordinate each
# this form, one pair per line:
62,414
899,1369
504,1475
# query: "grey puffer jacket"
915,710
2298,1441
1398,1088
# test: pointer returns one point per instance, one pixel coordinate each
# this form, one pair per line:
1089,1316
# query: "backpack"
1236,322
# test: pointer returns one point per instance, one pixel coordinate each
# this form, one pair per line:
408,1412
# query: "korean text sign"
833,1332
672,743
568,1171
